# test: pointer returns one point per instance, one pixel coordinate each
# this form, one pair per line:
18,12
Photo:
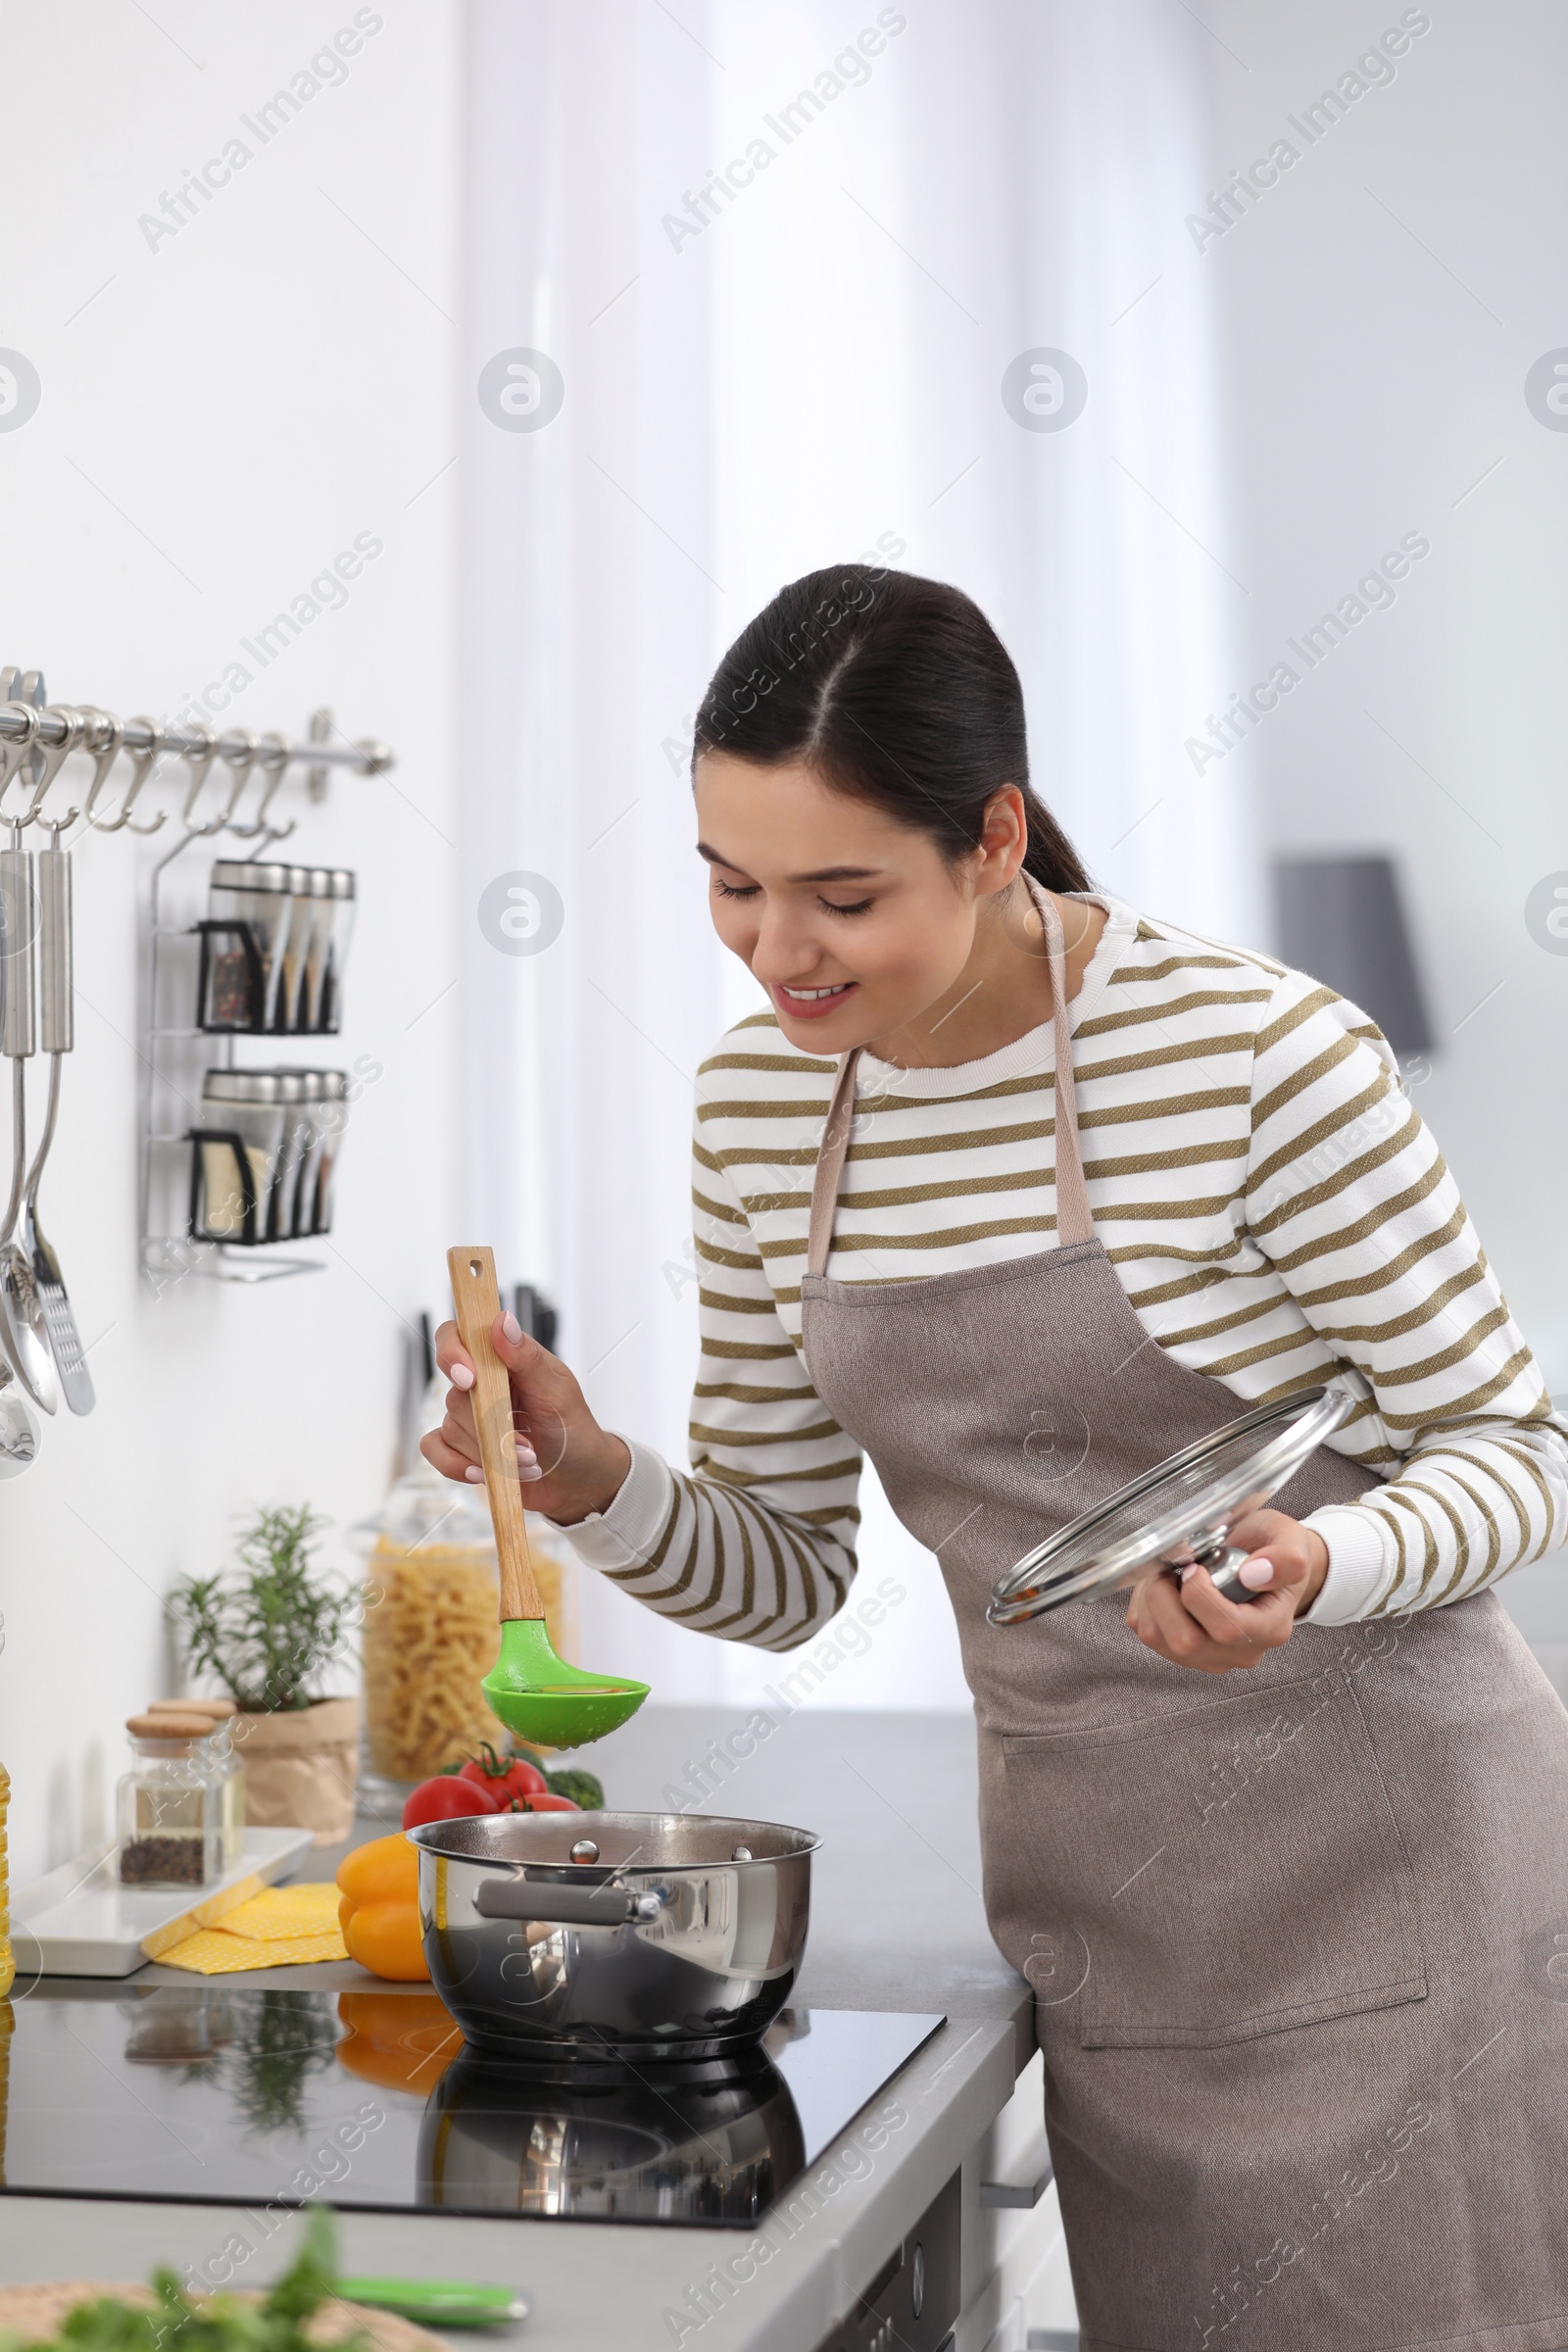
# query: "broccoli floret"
584,1787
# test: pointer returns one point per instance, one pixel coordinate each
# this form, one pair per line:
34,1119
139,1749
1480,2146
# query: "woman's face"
854,924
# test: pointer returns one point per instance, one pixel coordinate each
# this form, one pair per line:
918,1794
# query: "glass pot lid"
1181,1510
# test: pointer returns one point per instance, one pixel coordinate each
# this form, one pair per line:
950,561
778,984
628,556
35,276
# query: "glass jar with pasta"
432,1623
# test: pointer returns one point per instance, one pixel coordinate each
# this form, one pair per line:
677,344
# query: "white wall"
1376,367
220,415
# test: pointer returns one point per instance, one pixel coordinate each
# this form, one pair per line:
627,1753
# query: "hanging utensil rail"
50,727
38,739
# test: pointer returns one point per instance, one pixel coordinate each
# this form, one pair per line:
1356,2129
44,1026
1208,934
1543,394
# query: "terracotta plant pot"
302,1766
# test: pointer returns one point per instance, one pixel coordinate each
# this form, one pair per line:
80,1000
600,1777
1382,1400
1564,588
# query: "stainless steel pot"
646,1934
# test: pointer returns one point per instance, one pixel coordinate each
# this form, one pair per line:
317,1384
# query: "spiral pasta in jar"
431,1633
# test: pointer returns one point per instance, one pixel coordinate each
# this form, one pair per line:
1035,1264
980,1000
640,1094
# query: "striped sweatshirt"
1271,1202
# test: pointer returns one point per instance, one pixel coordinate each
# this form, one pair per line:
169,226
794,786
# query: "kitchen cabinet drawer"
912,2302
1016,2279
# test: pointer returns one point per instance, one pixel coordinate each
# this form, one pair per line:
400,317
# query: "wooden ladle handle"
479,1303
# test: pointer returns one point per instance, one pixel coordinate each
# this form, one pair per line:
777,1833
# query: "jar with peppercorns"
226,1766
170,1811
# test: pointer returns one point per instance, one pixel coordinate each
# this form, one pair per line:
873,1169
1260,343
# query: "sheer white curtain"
783,258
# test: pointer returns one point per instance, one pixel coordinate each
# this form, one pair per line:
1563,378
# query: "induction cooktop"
372,2102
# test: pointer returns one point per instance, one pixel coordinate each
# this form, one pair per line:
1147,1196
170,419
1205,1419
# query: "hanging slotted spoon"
57,1036
18,1424
535,1693
16,1417
23,1329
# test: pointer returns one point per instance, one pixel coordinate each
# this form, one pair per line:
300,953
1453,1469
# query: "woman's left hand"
1192,1625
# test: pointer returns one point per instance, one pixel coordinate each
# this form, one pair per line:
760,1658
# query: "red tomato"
504,1777
446,1799
545,1801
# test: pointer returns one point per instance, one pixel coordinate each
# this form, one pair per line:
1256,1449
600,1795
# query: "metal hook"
103,758
15,753
273,753
240,763
199,760
143,764
55,755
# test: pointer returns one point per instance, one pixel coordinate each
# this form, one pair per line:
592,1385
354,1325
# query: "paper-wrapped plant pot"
302,1767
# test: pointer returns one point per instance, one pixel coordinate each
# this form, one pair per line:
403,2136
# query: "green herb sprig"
177,2322
269,1630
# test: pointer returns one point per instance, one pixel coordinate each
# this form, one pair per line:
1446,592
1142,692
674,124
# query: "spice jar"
295,948
248,1103
168,1807
334,930
260,897
432,1617
224,1765
315,1115
333,1112
296,1089
229,981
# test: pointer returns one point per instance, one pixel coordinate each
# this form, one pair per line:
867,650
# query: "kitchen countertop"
897,1923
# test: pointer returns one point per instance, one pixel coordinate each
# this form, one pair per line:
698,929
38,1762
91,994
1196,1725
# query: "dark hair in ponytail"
896,690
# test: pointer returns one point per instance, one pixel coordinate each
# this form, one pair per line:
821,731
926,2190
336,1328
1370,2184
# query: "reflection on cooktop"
372,2101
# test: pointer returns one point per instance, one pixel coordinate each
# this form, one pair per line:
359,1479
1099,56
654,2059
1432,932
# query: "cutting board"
81,1922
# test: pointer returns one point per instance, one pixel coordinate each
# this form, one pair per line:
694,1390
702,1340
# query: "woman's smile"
810,1004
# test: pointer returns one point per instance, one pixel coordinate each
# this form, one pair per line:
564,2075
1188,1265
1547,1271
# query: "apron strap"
830,1166
1073,1222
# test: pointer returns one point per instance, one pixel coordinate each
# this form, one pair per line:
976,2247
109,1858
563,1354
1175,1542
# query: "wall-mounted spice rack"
217,1199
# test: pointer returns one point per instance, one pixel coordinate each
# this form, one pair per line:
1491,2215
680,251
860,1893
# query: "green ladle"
536,1694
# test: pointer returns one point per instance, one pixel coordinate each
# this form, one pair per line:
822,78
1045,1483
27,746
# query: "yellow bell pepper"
379,1910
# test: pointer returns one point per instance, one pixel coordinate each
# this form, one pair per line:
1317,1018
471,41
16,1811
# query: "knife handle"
438,2302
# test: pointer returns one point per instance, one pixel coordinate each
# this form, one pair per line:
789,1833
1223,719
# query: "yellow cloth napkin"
279,1927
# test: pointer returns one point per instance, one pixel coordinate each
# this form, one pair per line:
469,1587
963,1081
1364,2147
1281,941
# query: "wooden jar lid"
170,1726
220,1709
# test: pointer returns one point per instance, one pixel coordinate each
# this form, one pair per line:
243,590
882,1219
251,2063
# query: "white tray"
81,1922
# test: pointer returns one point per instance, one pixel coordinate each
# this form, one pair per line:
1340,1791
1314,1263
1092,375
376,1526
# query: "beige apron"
1299,1933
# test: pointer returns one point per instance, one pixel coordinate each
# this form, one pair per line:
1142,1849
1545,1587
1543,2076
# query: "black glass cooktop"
372,2102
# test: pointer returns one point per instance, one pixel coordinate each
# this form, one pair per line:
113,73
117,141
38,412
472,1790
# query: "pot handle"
567,1906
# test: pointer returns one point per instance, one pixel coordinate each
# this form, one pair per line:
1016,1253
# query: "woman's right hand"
569,1465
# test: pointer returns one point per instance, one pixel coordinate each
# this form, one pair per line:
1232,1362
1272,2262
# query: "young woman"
1019,1191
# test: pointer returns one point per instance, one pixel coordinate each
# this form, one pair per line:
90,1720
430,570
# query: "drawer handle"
1020,2195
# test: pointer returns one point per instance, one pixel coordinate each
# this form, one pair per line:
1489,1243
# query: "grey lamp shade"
1342,919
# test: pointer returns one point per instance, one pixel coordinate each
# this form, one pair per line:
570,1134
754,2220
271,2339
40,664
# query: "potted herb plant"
271,1631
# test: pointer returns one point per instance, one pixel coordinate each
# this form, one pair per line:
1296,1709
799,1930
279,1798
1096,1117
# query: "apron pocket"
1229,1872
